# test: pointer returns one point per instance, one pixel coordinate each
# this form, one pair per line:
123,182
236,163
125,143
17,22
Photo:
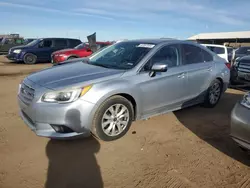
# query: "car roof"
53,38
152,41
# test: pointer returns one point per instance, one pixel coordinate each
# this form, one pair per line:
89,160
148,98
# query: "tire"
29,59
209,102
72,57
104,109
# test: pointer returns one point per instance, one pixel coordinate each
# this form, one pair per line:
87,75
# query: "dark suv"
241,52
40,50
240,71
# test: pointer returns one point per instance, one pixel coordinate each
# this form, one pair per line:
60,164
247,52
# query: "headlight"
17,51
246,100
236,62
65,96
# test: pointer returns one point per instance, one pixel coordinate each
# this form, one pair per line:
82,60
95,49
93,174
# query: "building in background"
234,39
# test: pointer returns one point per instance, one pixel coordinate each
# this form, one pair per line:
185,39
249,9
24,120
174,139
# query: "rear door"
199,66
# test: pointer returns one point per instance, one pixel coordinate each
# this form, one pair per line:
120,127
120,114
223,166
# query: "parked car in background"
40,50
240,122
7,43
240,71
241,52
82,50
127,81
222,51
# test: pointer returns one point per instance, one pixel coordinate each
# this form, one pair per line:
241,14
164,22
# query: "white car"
221,50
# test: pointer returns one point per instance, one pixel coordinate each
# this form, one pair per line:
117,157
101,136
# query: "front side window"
45,44
168,55
123,55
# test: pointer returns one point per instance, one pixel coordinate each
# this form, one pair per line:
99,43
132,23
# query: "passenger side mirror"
158,67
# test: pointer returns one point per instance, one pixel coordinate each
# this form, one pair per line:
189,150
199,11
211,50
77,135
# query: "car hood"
20,47
72,75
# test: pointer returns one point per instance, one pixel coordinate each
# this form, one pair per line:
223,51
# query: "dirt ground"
187,148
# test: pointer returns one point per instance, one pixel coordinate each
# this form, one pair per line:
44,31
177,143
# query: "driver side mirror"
158,67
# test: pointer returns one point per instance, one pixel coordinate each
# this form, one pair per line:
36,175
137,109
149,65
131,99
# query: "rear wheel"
113,118
29,58
213,94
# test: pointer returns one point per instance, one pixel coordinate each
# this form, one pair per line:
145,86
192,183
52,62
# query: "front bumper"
57,59
239,77
240,125
14,57
41,117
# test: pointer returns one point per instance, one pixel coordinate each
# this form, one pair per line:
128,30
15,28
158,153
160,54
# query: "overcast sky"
122,19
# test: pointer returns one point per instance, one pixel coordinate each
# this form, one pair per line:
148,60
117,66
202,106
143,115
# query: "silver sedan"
124,82
240,122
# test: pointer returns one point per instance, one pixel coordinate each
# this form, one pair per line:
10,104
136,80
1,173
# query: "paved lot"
188,148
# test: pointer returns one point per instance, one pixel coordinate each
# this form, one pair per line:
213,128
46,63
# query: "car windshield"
34,42
243,50
123,55
81,46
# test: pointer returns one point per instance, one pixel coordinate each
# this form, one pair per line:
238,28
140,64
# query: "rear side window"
207,56
60,43
193,54
74,43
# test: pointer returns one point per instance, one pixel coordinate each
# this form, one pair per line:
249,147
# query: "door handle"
182,75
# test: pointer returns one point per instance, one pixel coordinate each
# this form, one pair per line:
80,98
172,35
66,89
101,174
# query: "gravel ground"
187,148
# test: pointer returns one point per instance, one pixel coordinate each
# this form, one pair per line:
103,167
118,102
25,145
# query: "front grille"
26,93
244,66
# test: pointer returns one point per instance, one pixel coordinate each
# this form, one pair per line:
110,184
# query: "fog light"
62,129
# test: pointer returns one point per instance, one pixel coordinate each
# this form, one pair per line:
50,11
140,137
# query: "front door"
44,50
166,90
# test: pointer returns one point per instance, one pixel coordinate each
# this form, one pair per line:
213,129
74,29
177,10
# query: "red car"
82,50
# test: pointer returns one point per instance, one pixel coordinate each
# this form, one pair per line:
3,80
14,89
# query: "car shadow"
73,164
213,126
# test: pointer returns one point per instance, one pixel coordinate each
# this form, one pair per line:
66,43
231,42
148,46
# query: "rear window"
217,50
243,50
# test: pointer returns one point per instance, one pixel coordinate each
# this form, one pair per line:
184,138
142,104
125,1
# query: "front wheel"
29,58
213,94
113,118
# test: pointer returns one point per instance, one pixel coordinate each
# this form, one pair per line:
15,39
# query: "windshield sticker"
145,46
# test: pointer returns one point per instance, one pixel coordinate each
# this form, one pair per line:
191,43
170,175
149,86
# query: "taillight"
228,65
